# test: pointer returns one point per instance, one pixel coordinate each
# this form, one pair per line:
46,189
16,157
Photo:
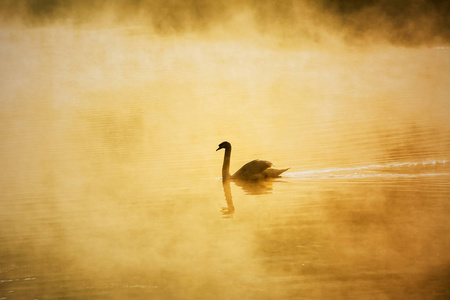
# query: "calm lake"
110,184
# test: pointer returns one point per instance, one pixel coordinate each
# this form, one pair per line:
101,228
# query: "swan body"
252,171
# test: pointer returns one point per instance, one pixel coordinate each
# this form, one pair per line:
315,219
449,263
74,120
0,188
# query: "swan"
251,171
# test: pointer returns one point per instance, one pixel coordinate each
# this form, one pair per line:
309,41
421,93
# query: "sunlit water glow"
110,183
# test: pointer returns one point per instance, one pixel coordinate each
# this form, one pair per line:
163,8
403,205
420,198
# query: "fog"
111,114
291,23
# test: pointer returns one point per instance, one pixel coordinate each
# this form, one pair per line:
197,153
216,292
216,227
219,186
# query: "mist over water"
110,184
290,22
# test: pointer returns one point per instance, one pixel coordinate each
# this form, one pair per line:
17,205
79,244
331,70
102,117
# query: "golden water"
110,184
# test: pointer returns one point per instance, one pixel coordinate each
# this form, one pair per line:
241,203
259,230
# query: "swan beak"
218,149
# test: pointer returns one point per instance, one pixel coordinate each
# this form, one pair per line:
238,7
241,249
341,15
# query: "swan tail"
273,173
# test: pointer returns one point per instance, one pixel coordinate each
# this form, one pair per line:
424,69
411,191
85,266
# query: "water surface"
110,184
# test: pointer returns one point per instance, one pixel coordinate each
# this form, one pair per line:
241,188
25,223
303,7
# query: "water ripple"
389,170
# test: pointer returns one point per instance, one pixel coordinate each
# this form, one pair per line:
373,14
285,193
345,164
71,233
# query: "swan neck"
226,164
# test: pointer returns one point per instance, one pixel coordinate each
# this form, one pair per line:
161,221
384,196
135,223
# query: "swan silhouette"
251,171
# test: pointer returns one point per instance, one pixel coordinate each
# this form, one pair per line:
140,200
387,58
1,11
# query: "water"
110,182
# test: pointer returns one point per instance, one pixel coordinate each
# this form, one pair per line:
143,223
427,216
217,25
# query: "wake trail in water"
389,170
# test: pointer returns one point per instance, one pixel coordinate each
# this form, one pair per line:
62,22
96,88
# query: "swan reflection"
229,210
251,188
256,187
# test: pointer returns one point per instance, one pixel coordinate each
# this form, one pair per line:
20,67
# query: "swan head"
224,145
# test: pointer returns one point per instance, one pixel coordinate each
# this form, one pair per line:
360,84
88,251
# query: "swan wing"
253,170
273,173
